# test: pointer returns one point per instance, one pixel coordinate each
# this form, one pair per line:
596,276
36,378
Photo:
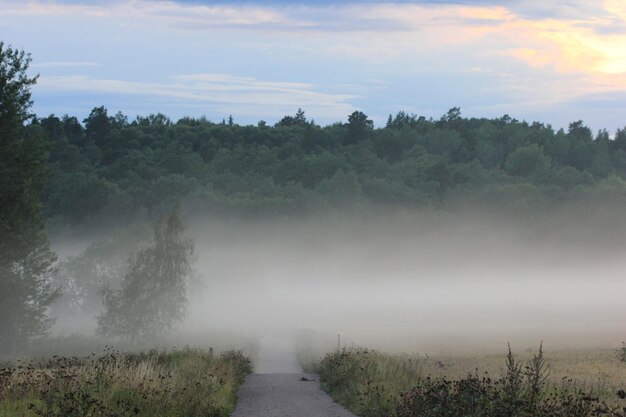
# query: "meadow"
187,382
565,383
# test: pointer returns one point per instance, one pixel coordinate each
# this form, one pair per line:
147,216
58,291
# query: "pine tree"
153,296
300,118
26,261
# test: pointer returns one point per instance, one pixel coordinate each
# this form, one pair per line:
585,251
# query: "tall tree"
98,124
298,120
26,261
359,127
153,296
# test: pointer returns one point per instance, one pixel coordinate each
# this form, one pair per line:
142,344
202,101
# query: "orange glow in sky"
523,58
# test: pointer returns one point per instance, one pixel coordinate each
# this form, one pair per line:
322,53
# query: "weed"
178,383
376,385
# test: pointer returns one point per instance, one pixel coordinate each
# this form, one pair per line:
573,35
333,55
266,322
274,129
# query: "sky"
553,61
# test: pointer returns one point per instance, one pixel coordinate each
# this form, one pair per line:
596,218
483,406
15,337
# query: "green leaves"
15,96
229,168
526,161
153,296
26,262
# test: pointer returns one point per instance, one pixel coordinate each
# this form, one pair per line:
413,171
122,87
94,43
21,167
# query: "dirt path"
280,389
285,395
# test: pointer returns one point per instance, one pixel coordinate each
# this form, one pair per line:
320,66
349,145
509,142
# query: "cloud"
64,64
216,91
515,54
41,8
234,83
187,16
571,46
555,9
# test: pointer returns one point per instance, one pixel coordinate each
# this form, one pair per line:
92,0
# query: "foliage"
102,264
376,385
526,161
114,170
178,383
153,297
26,261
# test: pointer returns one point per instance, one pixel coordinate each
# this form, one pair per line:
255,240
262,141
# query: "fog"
412,283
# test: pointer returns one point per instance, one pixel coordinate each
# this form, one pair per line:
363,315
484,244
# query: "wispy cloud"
222,91
567,35
187,16
64,64
43,8
493,54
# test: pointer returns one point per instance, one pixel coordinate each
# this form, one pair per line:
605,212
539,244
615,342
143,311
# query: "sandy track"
285,395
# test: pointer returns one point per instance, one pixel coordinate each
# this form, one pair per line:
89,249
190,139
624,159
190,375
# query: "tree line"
109,170
107,167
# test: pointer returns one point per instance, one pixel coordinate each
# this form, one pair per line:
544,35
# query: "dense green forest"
110,168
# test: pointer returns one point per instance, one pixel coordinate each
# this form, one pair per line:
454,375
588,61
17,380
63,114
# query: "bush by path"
178,383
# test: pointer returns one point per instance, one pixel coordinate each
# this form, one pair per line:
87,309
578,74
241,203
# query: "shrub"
179,383
375,385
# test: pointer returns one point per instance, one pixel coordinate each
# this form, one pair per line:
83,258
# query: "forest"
108,169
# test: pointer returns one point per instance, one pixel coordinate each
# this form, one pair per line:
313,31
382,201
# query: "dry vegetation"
560,383
179,383
595,370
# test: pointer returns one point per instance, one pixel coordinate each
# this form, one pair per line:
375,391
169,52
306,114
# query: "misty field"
566,383
185,382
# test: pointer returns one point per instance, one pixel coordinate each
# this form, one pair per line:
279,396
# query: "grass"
561,384
181,383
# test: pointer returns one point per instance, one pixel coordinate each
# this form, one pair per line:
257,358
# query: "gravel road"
285,395
280,389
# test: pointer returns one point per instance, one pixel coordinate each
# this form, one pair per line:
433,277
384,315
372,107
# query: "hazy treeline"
133,273
108,168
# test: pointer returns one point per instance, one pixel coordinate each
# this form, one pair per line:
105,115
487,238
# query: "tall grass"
179,383
376,385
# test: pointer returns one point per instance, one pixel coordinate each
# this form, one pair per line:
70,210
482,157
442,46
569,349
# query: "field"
184,382
536,383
